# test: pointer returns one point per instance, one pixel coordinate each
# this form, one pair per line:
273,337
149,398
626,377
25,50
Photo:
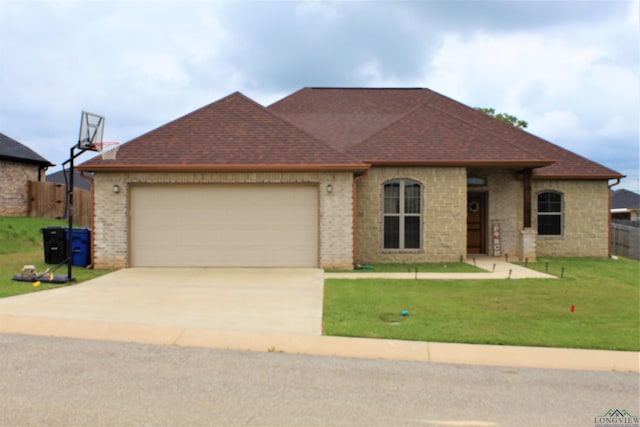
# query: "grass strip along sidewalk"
596,305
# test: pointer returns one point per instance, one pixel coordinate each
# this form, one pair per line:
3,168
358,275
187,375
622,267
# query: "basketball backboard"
91,129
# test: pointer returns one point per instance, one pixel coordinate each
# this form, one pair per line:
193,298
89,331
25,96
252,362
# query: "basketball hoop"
107,150
91,130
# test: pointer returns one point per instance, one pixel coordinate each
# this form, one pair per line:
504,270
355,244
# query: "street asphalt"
68,382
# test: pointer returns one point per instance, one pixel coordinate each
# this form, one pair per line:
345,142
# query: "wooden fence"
49,200
625,236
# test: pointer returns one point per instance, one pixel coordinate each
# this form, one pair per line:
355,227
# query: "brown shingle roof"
347,117
430,136
234,133
567,164
344,117
339,129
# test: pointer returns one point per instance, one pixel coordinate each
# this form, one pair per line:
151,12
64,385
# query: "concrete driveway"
275,300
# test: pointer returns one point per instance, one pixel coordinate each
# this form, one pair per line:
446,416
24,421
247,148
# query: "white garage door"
224,226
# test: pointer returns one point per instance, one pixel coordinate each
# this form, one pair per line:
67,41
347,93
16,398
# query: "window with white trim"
550,213
402,215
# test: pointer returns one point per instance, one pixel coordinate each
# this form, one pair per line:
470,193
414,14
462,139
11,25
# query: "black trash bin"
55,244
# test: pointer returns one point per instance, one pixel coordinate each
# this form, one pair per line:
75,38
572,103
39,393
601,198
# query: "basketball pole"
72,156
91,128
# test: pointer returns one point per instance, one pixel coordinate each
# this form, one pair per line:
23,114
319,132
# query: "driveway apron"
274,300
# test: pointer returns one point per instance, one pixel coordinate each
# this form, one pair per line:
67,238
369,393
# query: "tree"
507,118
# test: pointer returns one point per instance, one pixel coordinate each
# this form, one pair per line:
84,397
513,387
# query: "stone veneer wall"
14,187
444,215
585,219
110,228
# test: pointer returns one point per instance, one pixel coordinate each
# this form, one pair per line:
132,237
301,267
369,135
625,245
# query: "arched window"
550,213
402,215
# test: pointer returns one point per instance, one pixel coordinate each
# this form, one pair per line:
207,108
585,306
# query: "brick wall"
585,222
505,206
444,208
585,225
14,187
444,215
110,228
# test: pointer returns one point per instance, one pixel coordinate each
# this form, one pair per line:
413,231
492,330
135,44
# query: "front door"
476,223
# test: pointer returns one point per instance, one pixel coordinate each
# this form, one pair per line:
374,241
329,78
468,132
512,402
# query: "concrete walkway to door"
495,268
274,300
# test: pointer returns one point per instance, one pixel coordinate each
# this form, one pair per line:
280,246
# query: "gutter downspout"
90,179
609,213
355,218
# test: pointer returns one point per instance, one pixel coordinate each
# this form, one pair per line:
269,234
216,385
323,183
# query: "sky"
569,68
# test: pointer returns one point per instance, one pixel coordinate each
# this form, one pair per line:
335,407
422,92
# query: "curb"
368,348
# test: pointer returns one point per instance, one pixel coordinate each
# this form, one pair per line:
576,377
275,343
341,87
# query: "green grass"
529,312
453,267
20,234
21,244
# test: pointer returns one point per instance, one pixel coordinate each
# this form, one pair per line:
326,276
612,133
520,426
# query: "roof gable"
345,117
10,149
567,164
428,135
338,128
232,133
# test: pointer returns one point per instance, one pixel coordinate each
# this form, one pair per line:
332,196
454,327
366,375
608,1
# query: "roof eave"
578,176
226,168
502,163
42,163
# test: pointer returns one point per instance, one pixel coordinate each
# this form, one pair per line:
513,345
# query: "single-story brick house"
18,165
332,177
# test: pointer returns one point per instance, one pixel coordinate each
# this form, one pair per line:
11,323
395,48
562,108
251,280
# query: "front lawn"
605,295
21,244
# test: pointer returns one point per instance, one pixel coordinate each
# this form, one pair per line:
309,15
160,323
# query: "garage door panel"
224,225
234,256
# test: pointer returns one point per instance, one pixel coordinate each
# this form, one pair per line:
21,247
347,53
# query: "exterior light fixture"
329,188
116,188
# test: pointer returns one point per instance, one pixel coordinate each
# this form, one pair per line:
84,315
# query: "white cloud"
567,83
568,68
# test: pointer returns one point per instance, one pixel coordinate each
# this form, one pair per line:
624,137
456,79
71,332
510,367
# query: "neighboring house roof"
234,133
78,180
346,117
10,149
625,199
344,129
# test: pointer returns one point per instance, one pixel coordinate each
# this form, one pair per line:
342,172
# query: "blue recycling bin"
80,246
